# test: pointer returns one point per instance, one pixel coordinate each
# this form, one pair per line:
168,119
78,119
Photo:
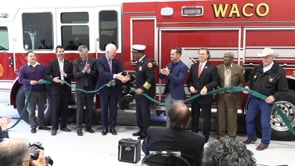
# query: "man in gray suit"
85,73
230,74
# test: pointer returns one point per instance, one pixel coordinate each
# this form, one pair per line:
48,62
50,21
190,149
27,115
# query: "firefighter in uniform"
145,83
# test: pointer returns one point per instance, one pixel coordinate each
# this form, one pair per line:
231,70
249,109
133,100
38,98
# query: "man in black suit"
203,77
85,73
58,71
145,83
176,137
109,70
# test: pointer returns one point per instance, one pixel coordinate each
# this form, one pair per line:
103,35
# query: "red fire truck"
244,27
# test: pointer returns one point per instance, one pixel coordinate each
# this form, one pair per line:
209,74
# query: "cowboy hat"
266,52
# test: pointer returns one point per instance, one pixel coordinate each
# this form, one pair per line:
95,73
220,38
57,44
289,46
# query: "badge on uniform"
270,79
140,68
150,65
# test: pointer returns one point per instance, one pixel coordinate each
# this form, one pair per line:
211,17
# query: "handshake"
120,76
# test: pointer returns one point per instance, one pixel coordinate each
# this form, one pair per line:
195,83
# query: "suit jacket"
145,74
104,74
175,80
91,77
189,143
208,78
53,71
237,77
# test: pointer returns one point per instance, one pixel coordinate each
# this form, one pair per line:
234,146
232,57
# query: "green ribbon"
24,109
235,89
110,83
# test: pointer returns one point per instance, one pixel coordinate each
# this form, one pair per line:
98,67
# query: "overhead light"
3,15
167,11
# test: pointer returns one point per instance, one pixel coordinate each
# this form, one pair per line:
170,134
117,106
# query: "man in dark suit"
176,137
109,70
202,78
175,73
230,74
145,82
58,71
85,73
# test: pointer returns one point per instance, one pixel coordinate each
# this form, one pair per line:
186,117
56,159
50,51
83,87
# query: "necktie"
200,69
85,79
110,65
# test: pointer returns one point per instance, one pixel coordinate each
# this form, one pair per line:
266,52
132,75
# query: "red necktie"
200,69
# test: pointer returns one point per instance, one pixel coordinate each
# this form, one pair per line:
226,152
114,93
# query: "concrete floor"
67,149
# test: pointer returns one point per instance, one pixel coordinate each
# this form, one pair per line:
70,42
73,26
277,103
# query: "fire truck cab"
244,28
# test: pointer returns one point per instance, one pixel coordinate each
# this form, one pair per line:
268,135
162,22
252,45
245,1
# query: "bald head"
178,115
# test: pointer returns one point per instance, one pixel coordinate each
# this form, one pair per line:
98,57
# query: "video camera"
35,154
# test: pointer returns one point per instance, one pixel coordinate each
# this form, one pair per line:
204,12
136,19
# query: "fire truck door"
143,31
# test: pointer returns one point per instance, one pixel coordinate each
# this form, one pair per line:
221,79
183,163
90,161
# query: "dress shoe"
90,130
247,141
137,133
79,132
33,130
261,147
53,132
113,131
104,131
44,128
66,129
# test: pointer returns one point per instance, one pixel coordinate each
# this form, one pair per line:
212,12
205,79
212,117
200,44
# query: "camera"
35,154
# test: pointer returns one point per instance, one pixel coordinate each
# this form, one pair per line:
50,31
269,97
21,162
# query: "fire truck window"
108,28
73,36
76,30
75,17
4,38
37,31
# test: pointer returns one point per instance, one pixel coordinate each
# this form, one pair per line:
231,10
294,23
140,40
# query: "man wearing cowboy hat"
268,79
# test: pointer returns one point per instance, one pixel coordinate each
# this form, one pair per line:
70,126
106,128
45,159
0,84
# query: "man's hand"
122,78
86,68
165,71
126,79
56,80
4,122
270,99
204,91
41,159
247,88
192,89
138,91
33,82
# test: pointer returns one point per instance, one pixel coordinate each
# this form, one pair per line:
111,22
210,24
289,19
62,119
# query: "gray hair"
82,48
110,47
14,151
227,152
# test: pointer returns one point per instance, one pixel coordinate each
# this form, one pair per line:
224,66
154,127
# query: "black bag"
129,150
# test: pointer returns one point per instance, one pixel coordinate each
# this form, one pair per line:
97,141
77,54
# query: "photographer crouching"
18,152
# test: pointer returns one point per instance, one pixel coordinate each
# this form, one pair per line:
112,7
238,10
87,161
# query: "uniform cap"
266,52
138,48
